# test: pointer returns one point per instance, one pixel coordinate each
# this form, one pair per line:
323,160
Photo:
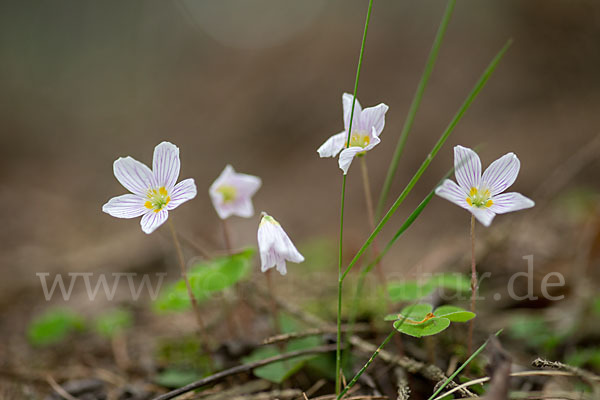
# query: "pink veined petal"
450,191
467,168
346,157
152,220
133,175
508,202
265,237
483,215
333,145
347,105
372,117
501,173
182,192
166,165
125,206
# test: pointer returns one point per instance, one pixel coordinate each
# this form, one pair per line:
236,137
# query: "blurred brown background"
258,84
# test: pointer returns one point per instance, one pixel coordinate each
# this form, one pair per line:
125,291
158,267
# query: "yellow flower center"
228,193
359,139
479,198
157,199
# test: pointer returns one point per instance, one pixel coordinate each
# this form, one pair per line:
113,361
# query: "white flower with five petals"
275,246
154,192
232,192
367,125
482,194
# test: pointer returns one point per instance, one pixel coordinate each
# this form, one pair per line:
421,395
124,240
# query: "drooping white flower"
154,192
275,246
367,125
482,194
232,192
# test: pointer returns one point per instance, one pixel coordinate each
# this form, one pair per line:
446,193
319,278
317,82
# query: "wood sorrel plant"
342,274
482,196
153,194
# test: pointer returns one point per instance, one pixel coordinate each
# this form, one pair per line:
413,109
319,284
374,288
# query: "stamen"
229,193
157,199
479,198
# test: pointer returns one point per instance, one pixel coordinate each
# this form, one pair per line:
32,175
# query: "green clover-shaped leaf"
418,320
454,314
428,328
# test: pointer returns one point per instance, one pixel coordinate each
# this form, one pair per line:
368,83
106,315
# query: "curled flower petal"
347,155
182,192
333,145
450,191
133,175
502,173
275,246
125,206
483,215
166,165
372,117
508,202
467,167
152,220
347,105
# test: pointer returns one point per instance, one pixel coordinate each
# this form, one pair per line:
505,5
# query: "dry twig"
59,389
243,368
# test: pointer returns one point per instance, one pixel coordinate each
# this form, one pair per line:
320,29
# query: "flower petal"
182,192
281,266
333,145
125,206
247,185
347,105
501,173
346,157
483,215
373,117
275,246
166,165
508,202
450,191
373,139
467,167
152,220
133,175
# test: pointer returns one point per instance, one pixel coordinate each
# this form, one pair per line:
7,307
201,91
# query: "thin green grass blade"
464,107
414,107
338,352
451,377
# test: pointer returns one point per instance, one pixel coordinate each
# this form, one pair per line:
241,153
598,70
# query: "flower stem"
338,352
227,236
473,284
274,307
414,107
193,301
369,201
364,368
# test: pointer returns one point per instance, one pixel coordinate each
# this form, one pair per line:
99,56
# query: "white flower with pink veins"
153,192
482,194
